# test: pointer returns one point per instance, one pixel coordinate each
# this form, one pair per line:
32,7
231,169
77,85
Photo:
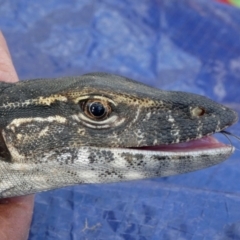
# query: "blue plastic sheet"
183,45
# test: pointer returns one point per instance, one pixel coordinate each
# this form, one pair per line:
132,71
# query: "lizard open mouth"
208,142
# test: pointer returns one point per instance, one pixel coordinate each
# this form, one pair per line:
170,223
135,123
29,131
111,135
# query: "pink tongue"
202,143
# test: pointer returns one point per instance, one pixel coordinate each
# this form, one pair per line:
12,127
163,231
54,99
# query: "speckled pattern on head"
51,135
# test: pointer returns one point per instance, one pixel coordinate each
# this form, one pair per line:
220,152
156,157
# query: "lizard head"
109,128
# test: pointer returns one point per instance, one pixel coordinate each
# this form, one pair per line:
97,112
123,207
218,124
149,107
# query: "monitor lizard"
100,128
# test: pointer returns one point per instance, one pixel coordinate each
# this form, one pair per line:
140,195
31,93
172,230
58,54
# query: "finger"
7,70
15,217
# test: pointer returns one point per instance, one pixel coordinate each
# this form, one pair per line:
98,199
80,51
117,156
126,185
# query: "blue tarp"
187,45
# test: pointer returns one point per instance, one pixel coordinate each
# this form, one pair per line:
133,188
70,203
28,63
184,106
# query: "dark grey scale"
92,158
134,161
162,161
109,173
108,155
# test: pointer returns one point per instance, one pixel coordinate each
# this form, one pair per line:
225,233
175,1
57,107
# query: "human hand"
15,213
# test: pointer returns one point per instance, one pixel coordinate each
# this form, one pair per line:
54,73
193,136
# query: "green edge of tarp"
235,2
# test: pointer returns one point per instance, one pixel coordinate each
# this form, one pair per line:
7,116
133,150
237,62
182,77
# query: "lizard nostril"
4,153
197,111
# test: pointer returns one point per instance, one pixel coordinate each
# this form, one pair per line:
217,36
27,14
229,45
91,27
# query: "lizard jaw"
69,165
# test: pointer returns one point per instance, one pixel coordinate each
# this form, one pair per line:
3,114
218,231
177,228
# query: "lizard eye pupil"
97,109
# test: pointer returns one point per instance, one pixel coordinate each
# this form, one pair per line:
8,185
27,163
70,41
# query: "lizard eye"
98,112
96,109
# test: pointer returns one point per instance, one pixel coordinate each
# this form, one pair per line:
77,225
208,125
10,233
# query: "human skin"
15,213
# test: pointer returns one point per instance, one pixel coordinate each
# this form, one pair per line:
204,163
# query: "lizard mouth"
205,143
